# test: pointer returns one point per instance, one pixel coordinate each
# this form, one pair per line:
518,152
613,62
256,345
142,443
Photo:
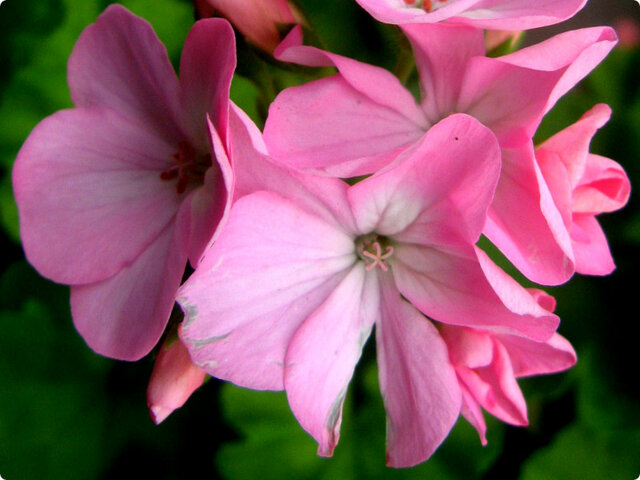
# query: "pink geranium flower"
491,14
115,194
358,120
488,364
306,266
584,185
258,20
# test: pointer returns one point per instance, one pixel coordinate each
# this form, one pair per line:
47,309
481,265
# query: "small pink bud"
173,380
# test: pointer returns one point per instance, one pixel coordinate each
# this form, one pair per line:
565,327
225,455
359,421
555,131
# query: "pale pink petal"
571,145
206,67
604,187
124,316
398,12
519,14
574,54
537,358
173,380
442,52
472,412
467,347
419,386
590,246
318,125
438,192
524,222
119,63
495,388
254,170
451,287
507,98
90,197
272,265
557,177
323,354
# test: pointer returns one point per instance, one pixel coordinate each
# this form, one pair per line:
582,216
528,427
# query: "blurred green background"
66,413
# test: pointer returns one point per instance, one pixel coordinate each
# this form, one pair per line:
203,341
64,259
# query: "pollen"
426,5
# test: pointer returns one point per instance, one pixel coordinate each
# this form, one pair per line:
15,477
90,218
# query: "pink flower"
491,14
258,20
115,194
584,185
306,266
358,121
173,380
487,366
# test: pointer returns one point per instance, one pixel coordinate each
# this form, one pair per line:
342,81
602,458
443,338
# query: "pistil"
374,250
190,167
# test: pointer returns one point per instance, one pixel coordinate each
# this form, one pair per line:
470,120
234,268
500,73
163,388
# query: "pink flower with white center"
258,20
584,185
306,266
488,364
491,14
117,193
357,121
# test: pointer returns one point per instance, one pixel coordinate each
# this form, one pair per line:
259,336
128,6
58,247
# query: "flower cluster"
358,207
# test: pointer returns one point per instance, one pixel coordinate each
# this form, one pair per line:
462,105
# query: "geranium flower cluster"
152,179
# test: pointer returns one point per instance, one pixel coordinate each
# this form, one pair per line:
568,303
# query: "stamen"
372,252
190,167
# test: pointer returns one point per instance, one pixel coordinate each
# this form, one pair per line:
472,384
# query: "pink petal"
419,386
519,14
317,125
537,358
272,265
206,67
590,246
574,54
434,194
254,170
604,187
173,380
323,354
571,145
467,347
442,52
524,222
472,412
90,196
119,62
397,12
449,285
209,205
557,177
124,316
495,388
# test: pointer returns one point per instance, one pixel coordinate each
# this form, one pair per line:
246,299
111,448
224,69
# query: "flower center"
374,250
190,167
427,5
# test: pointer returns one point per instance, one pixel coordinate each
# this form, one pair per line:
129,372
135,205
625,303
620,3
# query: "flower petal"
538,358
438,192
604,187
449,285
206,67
323,354
590,246
524,222
272,265
419,386
89,193
119,63
124,316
